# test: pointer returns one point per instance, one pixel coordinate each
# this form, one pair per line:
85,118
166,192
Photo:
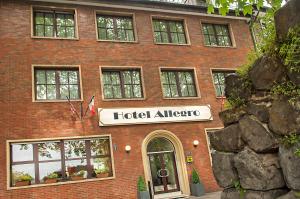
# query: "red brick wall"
21,118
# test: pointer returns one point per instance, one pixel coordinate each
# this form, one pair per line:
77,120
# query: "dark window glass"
115,28
57,84
216,35
59,161
167,31
54,24
119,84
178,84
219,82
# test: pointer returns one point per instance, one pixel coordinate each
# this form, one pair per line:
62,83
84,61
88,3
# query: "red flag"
92,107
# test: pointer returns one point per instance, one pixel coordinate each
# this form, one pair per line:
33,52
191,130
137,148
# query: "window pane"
156,26
41,92
39,18
218,90
213,40
189,77
48,19
121,35
157,37
74,92
166,91
218,30
109,23
117,91
76,169
172,26
110,34
130,35
63,77
128,91
70,20
108,93
181,77
51,92
40,77
74,149
48,31
172,77
39,30
174,38
64,91
192,90
102,167
221,78
22,152
50,77
127,77
115,78
215,78
73,77
100,147
163,26
48,169
61,31
174,91
101,22
165,38
102,33
135,77
164,77
210,29
137,91
70,32
106,78
179,27
49,151
60,20
206,40
184,90
19,172
181,38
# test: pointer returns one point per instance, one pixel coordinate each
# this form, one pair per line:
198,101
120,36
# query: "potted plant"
197,188
78,175
22,179
51,178
143,193
102,173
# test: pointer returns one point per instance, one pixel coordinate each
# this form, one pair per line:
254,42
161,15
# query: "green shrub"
141,185
195,177
237,185
287,89
51,176
103,170
21,176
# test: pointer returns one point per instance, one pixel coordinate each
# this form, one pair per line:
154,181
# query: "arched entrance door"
162,162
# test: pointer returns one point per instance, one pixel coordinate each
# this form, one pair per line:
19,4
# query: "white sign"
128,116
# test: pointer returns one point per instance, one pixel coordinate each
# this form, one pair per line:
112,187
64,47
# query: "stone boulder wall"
265,72
256,136
225,172
231,116
290,164
290,195
228,139
260,111
284,118
234,194
258,172
234,87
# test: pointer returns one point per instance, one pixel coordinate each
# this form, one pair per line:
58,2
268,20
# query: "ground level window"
60,161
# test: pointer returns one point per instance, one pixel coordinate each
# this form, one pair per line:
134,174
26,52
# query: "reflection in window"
57,84
115,28
178,84
216,35
59,161
119,84
51,23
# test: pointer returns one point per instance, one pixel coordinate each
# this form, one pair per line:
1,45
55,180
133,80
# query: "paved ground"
216,195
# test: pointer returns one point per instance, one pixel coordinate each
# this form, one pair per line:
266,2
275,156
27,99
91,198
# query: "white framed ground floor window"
60,160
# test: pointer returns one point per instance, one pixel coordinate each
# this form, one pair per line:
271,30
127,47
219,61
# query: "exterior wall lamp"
195,143
127,148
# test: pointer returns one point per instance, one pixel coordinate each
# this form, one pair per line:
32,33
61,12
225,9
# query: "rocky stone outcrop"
290,195
294,76
265,72
290,164
228,139
258,172
257,137
284,118
231,116
286,17
223,167
234,87
261,112
250,194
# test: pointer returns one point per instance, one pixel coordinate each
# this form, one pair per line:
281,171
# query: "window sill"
124,99
55,38
182,98
220,46
61,183
56,101
172,44
118,41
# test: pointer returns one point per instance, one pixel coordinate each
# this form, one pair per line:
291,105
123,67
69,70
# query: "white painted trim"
140,8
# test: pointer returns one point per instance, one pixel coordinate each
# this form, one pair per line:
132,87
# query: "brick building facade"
42,41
